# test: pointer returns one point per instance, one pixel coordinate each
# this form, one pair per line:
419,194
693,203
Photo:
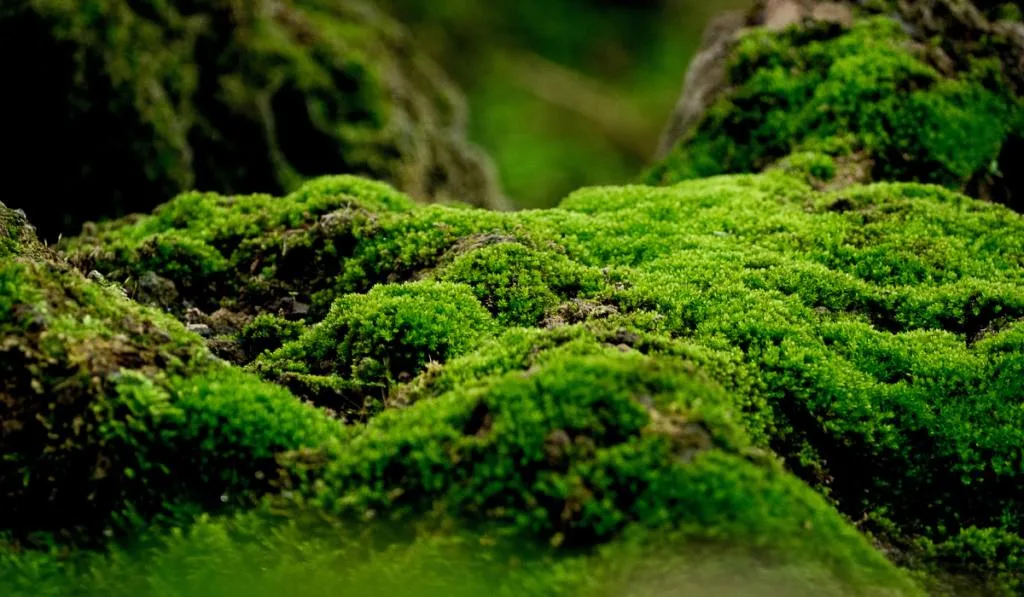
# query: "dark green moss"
226,96
268,332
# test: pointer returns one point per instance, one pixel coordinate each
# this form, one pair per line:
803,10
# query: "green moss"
977,549
869,337
113,414
577,449
789,366
17,236
268,332
240,253
1008,11
803,87
369,341
233,97
264,556
518,284
812,164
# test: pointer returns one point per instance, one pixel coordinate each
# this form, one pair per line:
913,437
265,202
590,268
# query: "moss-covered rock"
789,365
112,413
928,93
869,336
128,104
116,418
246,255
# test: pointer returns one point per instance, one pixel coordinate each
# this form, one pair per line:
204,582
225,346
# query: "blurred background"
127,103
563,93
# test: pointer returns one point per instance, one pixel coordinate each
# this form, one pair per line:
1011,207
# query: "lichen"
227,96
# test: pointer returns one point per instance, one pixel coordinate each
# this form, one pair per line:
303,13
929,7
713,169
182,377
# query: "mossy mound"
113,413
130,103
865,97
370,341
217,262
869,336
788,368
117,419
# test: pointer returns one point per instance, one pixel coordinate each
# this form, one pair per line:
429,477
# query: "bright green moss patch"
571,374
575,450
370,341
791,372
519,284
869,86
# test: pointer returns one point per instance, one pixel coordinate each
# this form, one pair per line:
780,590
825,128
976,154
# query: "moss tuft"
368,342
517,284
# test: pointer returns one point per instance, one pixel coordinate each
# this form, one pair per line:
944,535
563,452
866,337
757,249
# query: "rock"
956,117
833,12
706,78
200,328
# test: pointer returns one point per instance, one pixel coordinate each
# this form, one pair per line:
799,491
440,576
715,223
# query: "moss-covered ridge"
151,99
870,336
869,96
116,418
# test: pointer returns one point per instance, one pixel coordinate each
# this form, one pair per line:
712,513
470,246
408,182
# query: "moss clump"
114,414
267,332
869,91
368,342
518,284
587,443
246,255
226,96
869,336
